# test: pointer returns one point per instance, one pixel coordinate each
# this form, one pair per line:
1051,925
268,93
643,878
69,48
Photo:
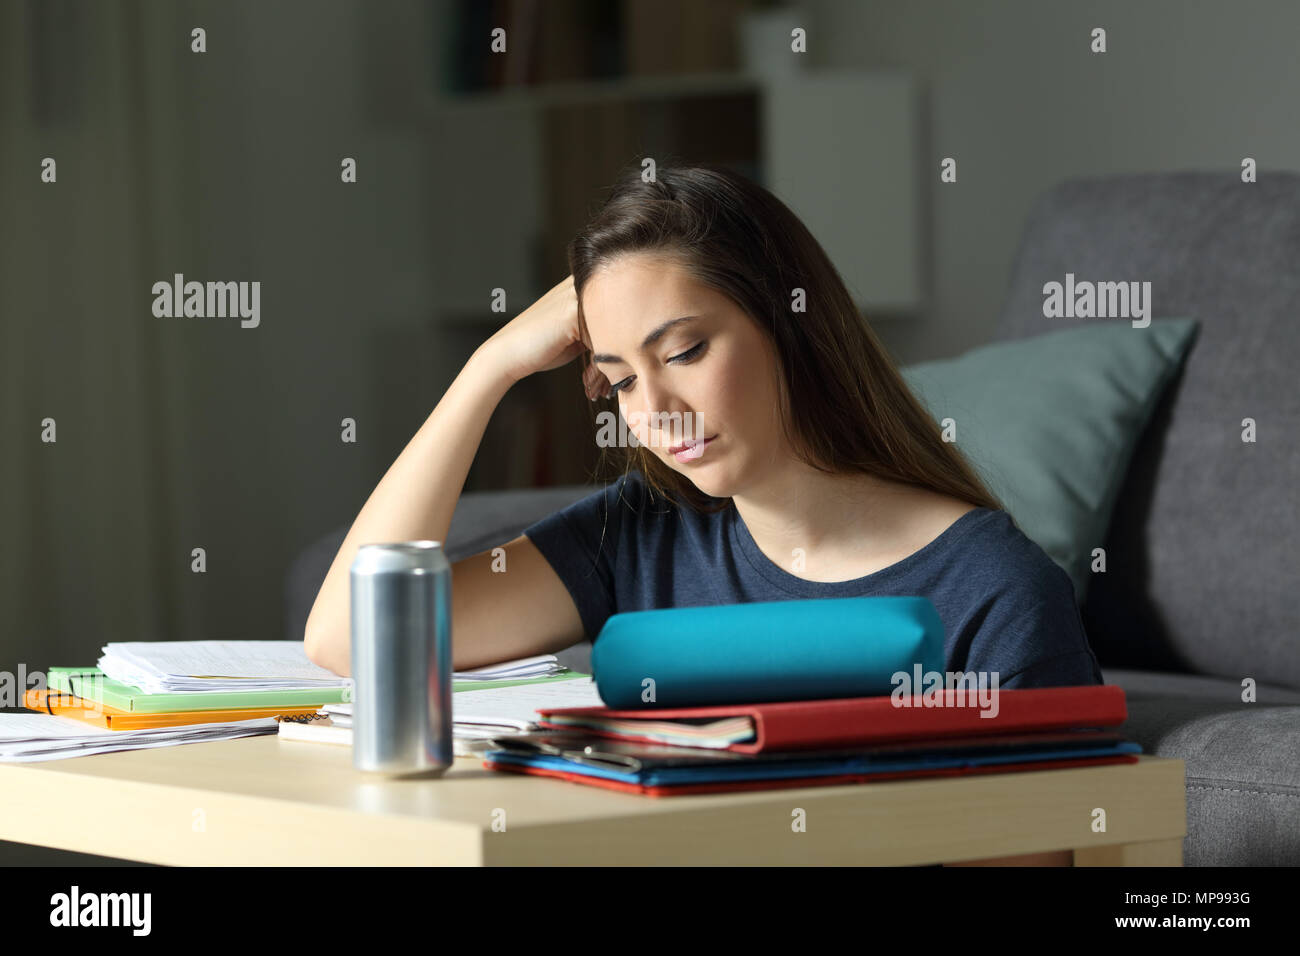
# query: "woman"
704,307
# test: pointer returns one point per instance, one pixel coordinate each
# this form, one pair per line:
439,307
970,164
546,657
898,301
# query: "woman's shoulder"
935,516
938,522
988,543
1012,564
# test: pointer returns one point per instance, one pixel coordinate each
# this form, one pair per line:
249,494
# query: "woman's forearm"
414,500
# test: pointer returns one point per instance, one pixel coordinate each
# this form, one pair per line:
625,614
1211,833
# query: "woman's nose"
664,417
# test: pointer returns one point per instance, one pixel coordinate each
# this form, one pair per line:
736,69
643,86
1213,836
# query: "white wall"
1016,96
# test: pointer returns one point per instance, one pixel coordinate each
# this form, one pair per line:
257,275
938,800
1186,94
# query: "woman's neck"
829,527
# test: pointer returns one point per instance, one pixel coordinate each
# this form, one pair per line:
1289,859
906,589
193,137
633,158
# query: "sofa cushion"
1242,762
1202,556
1050,422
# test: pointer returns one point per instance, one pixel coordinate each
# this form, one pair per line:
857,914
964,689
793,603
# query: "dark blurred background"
474,170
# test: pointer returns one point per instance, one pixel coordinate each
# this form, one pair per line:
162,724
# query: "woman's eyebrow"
650,339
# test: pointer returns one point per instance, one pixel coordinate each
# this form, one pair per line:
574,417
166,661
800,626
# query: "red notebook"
851,721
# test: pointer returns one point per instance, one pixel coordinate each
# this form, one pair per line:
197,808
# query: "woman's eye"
686,356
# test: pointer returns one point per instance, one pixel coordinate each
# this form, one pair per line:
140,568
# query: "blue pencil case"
764,651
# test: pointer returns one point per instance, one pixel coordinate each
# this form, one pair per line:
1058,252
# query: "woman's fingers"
595,382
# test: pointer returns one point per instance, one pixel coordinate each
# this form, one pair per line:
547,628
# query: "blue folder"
734,772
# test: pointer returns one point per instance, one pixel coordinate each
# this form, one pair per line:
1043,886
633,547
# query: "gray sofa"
1201,590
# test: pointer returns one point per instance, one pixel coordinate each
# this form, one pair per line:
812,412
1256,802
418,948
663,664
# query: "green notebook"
90,684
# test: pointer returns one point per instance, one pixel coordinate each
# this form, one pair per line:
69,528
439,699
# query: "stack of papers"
175,667
170,667
28,737
478,715
488,713
543,665
165,670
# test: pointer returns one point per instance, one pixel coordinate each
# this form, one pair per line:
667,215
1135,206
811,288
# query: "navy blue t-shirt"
1005,605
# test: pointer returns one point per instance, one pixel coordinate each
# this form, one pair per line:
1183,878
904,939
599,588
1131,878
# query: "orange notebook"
111,718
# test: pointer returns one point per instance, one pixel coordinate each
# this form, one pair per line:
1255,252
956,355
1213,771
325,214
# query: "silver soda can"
401,658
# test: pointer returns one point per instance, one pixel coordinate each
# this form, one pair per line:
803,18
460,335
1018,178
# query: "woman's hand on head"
595,383
544,336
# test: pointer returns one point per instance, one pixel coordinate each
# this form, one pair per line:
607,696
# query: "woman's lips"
691,449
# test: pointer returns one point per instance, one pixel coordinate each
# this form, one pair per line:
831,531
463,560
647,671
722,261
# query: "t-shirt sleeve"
580,543
1033,635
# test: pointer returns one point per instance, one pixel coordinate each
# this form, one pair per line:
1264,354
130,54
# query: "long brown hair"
852,411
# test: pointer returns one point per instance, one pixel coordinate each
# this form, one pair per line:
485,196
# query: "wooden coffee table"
267,801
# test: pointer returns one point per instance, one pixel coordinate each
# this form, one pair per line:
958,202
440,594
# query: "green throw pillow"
1050,423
